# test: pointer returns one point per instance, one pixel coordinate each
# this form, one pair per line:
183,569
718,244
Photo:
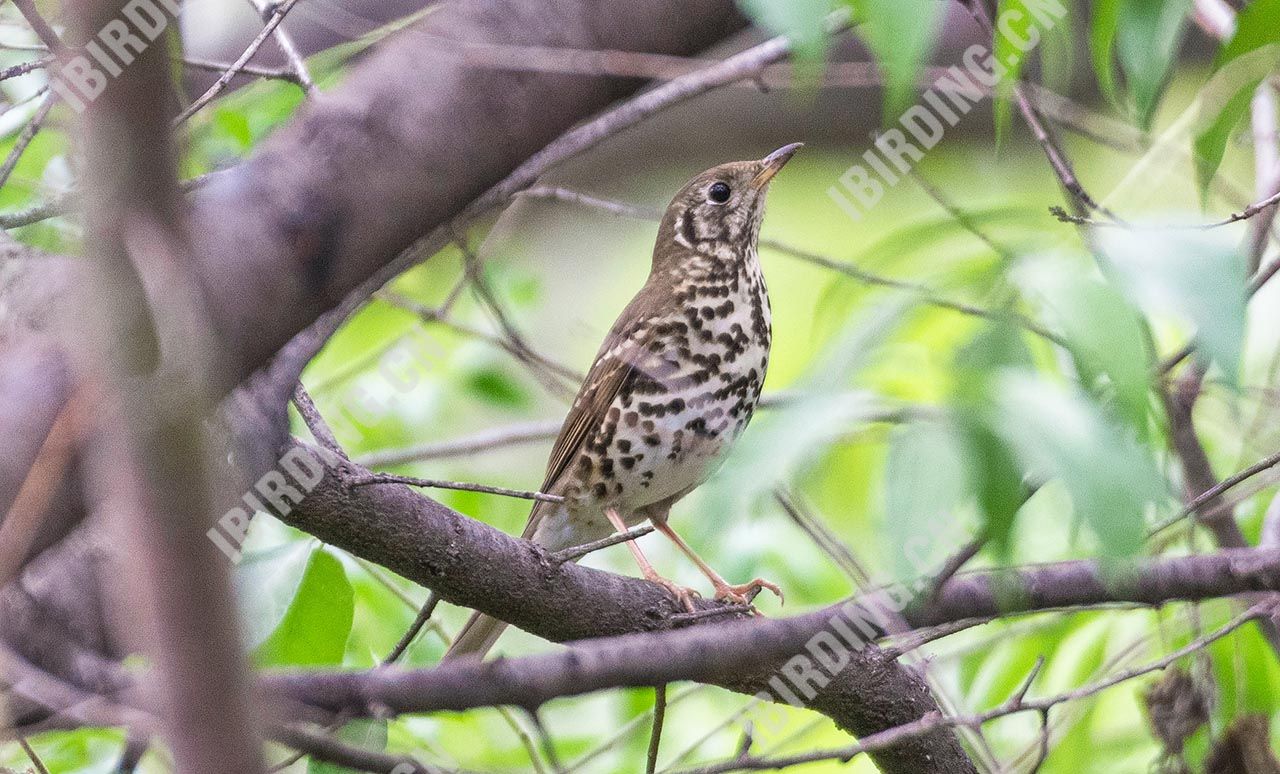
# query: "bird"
672,387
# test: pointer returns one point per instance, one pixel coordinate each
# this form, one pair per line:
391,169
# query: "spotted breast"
695,374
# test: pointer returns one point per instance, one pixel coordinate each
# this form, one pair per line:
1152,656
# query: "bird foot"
683,594
744,593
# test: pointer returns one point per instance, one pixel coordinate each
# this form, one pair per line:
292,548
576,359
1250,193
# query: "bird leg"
740,594
683,594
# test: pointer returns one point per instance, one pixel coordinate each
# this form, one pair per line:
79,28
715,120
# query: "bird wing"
622,358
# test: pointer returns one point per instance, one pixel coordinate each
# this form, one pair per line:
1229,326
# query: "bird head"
718,213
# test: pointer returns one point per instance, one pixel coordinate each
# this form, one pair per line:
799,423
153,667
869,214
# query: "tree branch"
471,564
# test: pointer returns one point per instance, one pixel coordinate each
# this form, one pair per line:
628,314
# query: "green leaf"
1199,276
996,480
996,347
994,474
1257,28
924,487
495,385
1147,40
901,35
1058,57
314,628
364,734
1257,25
266,583
1102,38
235,125
1058,433
1105,335
1020,26
1210,145
803,22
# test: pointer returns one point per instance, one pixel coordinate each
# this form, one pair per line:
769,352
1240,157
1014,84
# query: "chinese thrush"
671,388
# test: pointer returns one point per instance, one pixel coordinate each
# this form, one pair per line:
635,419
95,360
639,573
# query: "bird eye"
718,193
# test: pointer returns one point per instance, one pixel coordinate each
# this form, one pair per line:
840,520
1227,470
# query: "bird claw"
745,593
683,594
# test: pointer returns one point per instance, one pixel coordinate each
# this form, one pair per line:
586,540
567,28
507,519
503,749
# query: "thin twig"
902,644
544,736
323,747
23,68
953,564
612,206
577,552
925,294
411,634
28,134
655,736
516,347
1061,165
384,478
42,28
31,755
626,729
485,440
315,422
519,433
1015,705
1235,217
62,203
1259,280
287,47
219,85
1217,490
273,73
963,218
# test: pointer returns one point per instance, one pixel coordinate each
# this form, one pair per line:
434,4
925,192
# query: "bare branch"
315,422
277,15
284,40
386,478
470,564
655,736
24,139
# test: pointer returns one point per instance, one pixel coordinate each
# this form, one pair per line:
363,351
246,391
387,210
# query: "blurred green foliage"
907,416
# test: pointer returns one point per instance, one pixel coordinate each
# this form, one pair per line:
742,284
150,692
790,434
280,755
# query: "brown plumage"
671,388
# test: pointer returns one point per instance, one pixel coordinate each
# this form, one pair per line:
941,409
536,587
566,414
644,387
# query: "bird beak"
773,162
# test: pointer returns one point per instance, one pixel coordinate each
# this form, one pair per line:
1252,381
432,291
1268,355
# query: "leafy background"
912,419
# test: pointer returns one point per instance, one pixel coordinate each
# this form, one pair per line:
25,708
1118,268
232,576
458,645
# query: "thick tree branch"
505,576
470,564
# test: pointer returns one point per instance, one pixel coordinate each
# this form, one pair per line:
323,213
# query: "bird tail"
476,637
